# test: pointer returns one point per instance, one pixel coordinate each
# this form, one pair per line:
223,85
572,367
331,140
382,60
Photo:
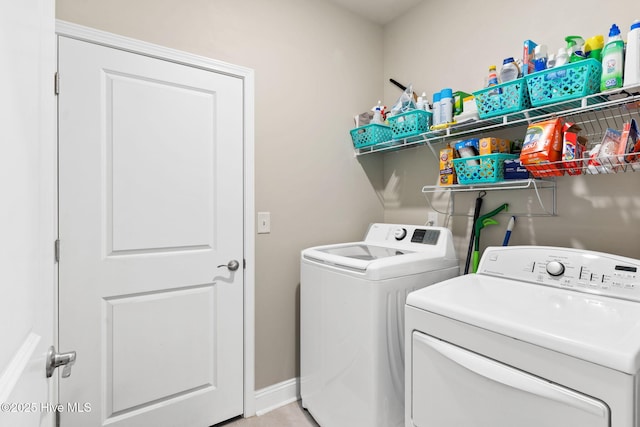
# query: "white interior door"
151,204
27,225
453,387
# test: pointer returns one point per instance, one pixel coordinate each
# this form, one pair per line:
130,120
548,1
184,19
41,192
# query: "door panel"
159,210
453,387
27,226
151,203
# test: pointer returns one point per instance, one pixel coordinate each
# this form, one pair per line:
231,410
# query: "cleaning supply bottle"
612,61
446,105
509,70
540,57
593,47
492,80
435,118
575,48
562,57
377,114
632,58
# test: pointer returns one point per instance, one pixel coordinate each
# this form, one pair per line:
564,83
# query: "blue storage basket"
365,136
566,82
502,99
411,123
481,169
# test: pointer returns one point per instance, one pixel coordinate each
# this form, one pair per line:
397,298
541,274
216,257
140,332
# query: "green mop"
482,222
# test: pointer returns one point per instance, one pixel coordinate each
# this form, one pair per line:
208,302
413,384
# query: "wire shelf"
594,114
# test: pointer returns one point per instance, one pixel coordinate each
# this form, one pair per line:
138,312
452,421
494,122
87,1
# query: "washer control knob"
400,233
555,268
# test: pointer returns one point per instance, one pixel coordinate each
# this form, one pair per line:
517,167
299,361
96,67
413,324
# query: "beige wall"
452,44
316,66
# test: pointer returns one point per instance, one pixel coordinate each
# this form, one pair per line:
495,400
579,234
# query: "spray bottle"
574,46
377,114
612,61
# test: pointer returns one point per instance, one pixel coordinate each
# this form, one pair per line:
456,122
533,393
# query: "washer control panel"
399,233
576,269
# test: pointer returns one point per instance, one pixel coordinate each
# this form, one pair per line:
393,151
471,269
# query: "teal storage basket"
481,169
502,99
563,83
365,136
411,123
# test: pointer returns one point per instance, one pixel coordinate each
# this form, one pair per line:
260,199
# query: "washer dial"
400,233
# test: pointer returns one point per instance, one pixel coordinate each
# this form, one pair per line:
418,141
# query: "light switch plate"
264,222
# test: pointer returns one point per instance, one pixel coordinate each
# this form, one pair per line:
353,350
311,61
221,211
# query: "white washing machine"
540,337
352,302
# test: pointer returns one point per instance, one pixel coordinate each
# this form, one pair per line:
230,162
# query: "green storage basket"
563,83
481,169
365,136
502,99
411,123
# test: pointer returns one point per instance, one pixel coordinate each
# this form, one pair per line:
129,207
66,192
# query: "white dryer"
540,337
352,299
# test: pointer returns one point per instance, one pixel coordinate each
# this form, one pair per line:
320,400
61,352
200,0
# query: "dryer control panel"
576,269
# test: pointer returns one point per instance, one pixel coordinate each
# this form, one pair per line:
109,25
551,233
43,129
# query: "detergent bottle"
612,60
632,61
593,47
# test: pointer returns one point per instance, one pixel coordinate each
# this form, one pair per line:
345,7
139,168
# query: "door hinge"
56,83
244,264
57,250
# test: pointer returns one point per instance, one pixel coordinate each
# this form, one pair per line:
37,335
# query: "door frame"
103,38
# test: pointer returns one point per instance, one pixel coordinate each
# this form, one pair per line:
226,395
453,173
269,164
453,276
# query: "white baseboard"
277,395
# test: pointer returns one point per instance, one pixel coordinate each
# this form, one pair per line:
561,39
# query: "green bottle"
612,61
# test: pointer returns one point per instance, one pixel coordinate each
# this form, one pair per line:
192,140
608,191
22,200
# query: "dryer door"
453,387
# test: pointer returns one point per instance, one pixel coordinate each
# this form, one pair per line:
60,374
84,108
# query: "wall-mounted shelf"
593,113
536,185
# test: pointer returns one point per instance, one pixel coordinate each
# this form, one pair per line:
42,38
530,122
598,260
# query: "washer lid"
362,251
375,262
597,329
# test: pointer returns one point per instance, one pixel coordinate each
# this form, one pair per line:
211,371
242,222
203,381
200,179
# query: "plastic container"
435,117
410,123
492,79
632,58
562,57
509,71
371,134
513,97
570,81
593,47
377,116
612,61
540,58
446,105
487,168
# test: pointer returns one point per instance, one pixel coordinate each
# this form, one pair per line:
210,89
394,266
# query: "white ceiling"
379,11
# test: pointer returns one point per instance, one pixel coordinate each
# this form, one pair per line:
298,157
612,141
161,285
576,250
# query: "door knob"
233,265
59,359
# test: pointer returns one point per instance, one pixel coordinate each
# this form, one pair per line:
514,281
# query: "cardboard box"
629,143
491,145
542,148
528,66
514,169
447,171
468,148
572,152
